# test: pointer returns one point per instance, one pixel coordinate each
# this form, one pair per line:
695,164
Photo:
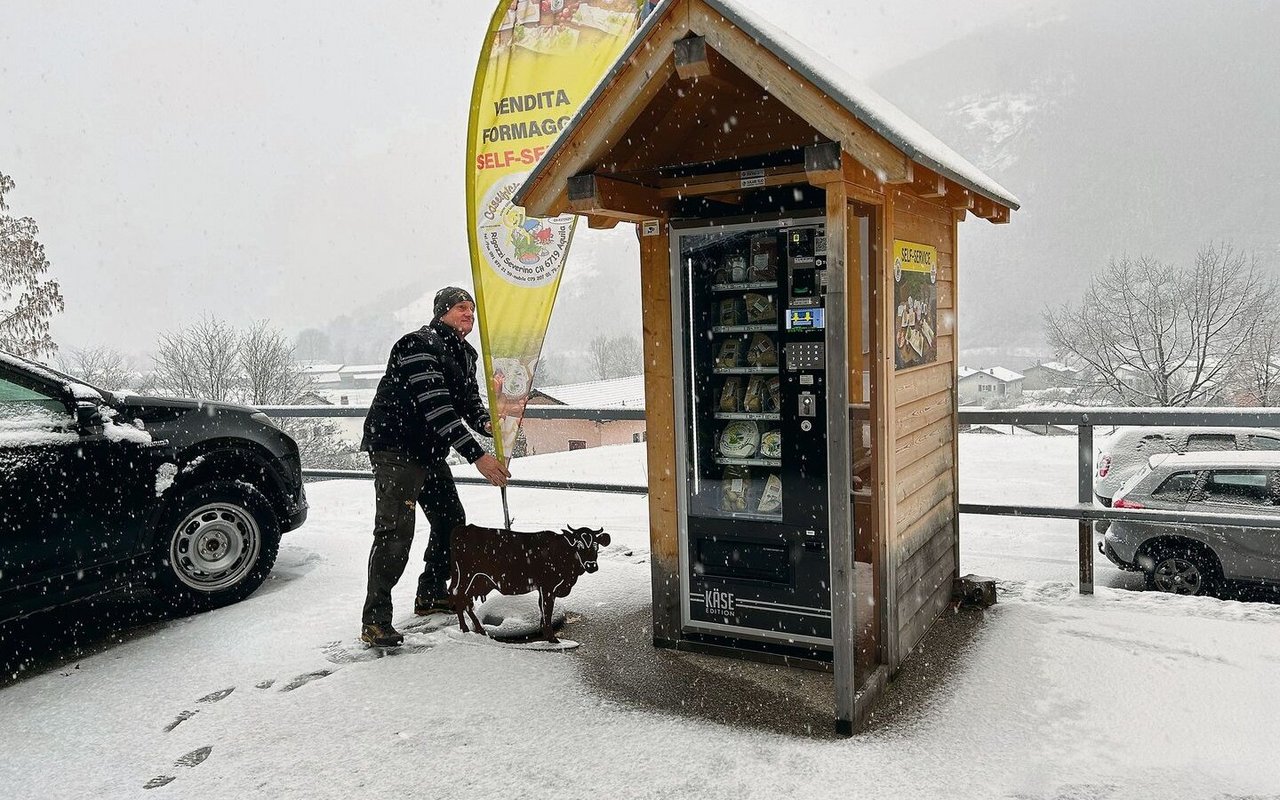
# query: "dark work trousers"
399,483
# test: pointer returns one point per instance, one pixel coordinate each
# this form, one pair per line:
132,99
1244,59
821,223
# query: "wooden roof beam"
733,182
990,210
601,196
596,223
692,59
927,184
958,198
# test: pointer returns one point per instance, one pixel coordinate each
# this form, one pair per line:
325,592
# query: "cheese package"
731,311
771,497
773,395
730,354
740,439
764,258
754,399
771,444
760,308
763,351
731,395
733,489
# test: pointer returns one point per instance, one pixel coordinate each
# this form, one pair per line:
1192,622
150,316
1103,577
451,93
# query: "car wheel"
216,545
1182,569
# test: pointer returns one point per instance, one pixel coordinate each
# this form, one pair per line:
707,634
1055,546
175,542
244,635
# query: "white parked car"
1126,452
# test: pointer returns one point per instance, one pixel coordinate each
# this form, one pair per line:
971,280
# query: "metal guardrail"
531,412
1084,420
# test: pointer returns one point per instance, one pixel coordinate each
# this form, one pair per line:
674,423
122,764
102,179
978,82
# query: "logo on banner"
525,251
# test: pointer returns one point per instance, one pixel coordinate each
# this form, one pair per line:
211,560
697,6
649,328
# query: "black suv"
100,491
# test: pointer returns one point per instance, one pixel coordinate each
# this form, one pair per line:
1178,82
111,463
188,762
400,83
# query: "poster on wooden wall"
915,297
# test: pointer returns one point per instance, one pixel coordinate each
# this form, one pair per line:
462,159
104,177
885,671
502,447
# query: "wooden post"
664,537
840,479
1084,469
883,408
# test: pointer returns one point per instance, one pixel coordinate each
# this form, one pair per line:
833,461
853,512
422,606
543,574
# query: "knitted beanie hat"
448,297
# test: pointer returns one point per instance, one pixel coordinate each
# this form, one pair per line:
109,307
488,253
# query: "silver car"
1197,557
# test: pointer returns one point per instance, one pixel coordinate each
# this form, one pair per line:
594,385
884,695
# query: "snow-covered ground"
1119,695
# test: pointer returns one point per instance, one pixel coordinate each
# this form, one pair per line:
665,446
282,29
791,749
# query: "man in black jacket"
417,415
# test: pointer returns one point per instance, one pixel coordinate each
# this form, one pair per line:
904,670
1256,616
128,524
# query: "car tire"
1183,568
215,546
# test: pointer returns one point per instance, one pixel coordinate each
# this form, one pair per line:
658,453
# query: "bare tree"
27,299
615,357
1258,378
106,367
269,373
1151,333
201,361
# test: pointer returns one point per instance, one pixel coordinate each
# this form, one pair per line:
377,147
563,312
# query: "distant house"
977,387
560,435
1050,375
351,429
362,376
321,374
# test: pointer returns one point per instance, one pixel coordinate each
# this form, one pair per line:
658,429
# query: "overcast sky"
285,160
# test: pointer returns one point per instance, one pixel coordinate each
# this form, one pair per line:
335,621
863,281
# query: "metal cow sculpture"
509,562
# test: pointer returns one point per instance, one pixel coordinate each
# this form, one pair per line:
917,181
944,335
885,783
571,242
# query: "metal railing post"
1084,467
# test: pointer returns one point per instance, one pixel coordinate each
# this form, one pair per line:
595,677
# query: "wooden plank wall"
924,538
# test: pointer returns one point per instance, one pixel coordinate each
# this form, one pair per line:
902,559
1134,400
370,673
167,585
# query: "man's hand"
492,470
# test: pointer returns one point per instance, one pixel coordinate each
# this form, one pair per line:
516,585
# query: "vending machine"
751,430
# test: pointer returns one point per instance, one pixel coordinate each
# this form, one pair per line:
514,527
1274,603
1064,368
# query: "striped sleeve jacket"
428,391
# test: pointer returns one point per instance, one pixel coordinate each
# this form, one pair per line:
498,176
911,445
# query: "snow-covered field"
1119,695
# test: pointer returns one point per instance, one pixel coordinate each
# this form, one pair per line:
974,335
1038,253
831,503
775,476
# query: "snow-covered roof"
354,397
853,95
612,393
1002,374
1056,366
999,373
312,368
363,369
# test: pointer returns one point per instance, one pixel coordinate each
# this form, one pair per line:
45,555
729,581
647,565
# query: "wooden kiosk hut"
798,239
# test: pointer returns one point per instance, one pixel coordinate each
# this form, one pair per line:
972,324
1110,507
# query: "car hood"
158,408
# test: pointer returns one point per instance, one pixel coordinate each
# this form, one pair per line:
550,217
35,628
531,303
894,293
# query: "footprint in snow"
303,680
182,717
214,697
193,759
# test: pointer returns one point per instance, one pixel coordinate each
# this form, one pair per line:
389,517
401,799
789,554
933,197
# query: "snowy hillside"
1136,127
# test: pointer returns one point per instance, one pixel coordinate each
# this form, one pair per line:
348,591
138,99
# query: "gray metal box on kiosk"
751,398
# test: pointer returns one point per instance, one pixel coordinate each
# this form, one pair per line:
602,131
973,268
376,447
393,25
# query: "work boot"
380,635
424,607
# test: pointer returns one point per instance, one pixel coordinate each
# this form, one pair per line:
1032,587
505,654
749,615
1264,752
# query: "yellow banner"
539,63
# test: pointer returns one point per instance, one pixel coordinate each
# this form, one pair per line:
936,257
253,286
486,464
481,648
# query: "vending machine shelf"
742,287
745,370
748,415
771,327
773,463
